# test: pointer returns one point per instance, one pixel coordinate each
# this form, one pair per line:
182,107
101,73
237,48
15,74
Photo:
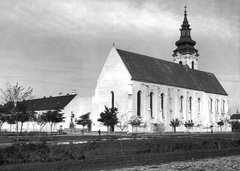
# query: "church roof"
49,103
148,69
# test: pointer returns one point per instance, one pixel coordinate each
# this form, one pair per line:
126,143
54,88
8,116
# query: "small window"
192,64
180,62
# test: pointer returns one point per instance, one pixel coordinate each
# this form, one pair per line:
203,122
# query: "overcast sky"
58,45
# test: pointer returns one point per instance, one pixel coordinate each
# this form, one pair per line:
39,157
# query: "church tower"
185,53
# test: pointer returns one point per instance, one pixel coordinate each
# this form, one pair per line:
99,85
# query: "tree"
122,124
52,117
3,119
12,95
175,123
135,121
109,117
199,125
41,121
22,114
220,124
159,127
84,121
189,125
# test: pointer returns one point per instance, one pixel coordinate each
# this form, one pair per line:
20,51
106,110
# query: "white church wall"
198,112
115,78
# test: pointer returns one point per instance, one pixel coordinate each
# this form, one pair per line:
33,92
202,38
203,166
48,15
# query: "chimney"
60,94
74,92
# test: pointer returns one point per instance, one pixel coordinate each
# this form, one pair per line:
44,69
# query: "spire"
185,21
185,45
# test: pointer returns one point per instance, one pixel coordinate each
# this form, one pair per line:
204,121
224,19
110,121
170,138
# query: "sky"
55,46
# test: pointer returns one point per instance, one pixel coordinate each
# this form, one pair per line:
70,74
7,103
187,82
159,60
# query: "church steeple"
185,53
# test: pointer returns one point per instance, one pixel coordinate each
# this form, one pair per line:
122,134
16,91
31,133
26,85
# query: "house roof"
49,103
235,116
148,69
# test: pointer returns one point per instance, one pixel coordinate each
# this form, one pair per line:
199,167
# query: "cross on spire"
185,10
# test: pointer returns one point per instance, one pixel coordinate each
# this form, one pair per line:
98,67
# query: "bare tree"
122,124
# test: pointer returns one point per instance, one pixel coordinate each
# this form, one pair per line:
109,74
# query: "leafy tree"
159,127
189,124
220,124
199,125
84,120
135,121
22,114
52,117
175,123
12,95
109,117
3,119
41,121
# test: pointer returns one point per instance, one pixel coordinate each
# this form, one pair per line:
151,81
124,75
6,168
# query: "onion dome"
185,45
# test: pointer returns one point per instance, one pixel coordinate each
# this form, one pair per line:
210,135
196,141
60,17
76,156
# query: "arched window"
217,104
192,64
211,105
162,104
223,106
151,104
139,103
112,99
199,104
190,104
180,62
181,103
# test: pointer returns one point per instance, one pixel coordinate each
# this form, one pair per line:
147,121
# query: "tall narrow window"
199,104
192,64
139,103
190,104
162,104
151,104
223,106
211,105
217,104
112,99
181,103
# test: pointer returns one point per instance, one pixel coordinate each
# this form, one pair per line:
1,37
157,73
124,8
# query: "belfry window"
112,99
139,103
192,64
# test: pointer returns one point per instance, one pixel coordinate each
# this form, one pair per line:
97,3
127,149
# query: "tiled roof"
235,116
153,70
49,103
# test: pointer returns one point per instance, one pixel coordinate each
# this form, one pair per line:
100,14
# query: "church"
160,91
156,90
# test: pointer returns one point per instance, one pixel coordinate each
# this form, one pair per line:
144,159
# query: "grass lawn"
102,154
